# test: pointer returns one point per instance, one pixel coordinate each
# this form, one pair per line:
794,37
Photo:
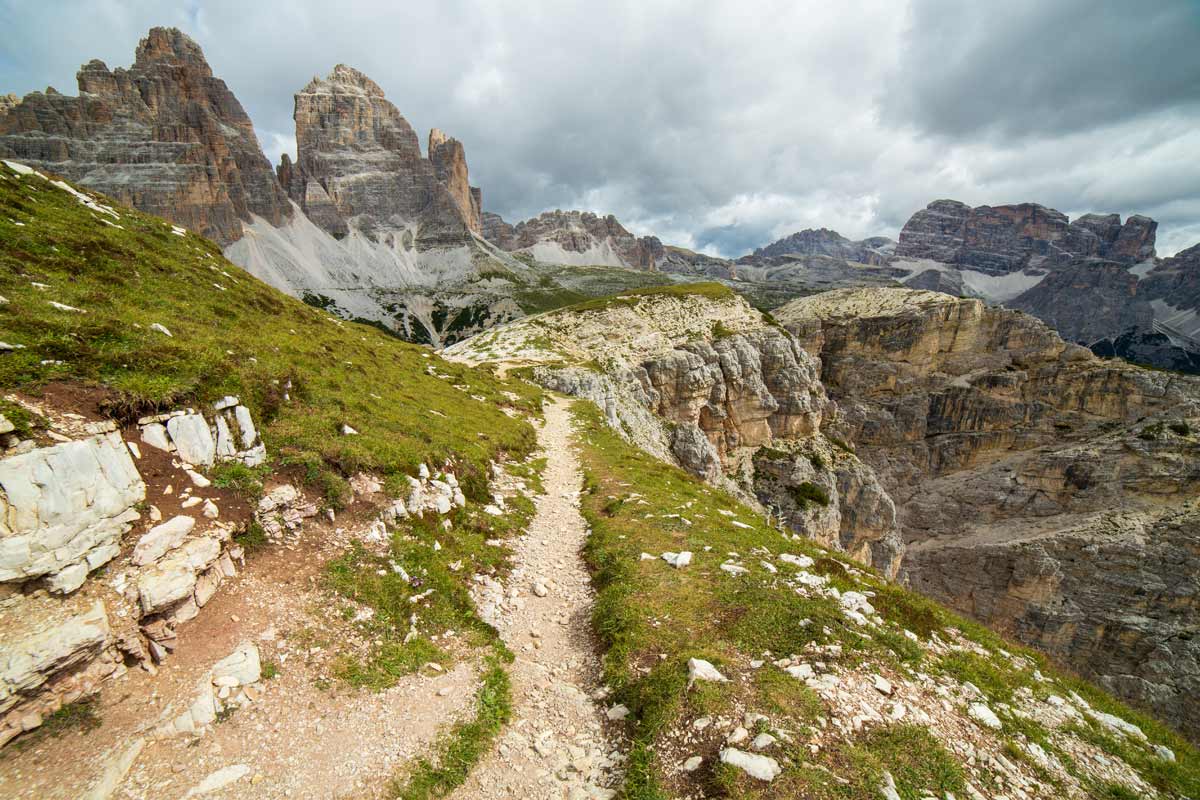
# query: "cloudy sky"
720,125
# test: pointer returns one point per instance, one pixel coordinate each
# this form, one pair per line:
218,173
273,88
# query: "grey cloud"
714,125
1029,67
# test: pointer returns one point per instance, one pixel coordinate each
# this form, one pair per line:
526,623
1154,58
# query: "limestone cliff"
1045,491
359,164
694,375
164,135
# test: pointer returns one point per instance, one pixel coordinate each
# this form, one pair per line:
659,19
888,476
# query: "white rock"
882,685
1165,753
760,767
162,539
734,569
348,431
801,671
155,435
192,439
62,504
242,666
246,426
617,712
799,561
692,764
210,510
540,589
198,480
984,716
701,670
157,328
762,741
678,560
888,787
5,425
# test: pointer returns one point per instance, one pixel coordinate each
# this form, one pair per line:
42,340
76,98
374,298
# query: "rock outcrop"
998,240
1088,300
165,136
578,238
700,379
69,508
1017,463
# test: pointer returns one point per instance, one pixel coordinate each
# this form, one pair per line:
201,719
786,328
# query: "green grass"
651,619
433,559
302,372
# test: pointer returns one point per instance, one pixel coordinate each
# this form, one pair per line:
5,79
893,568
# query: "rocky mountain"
997,240
1039,489
575,238
906,427
164,135
824,242
359,164
362,223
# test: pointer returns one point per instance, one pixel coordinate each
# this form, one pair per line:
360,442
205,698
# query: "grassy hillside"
85,285
303,372
742,606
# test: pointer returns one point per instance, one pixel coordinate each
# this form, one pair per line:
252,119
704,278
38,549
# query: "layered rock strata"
706,383
998,240
1043,490
359,165
163,135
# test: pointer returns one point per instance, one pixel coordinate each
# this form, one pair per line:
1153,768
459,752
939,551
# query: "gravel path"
558,744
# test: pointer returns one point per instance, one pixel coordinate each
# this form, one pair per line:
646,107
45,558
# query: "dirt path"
559,744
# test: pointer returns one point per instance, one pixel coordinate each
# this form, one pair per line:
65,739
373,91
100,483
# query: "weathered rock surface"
449,161
359,165
164,136
825,242
1003,239
742,404
54,653
64,509
579,238
1018,462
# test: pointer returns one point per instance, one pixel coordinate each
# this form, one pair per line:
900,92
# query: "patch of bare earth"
305,735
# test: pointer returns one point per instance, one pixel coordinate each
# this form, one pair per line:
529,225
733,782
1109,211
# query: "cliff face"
729,397
579,238
164,136
998,240
359,165
1040,489
449,161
